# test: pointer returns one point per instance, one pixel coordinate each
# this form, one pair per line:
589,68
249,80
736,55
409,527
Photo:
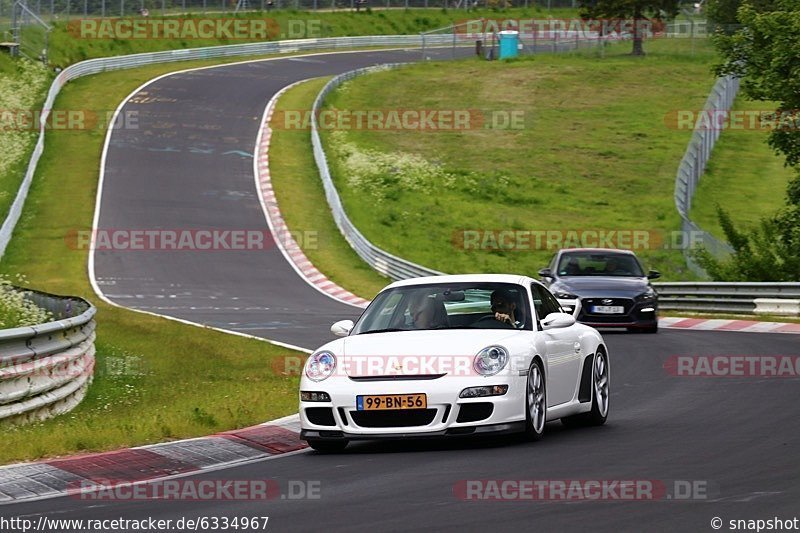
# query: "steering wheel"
485,322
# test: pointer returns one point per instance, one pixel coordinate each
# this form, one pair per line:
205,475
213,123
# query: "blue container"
509,43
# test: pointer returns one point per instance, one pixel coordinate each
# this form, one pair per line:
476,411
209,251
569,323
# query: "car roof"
463,278
598,250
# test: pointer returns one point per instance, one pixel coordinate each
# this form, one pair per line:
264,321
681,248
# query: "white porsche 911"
454,356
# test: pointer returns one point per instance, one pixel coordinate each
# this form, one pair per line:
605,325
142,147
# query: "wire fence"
552,36
65,9
693,165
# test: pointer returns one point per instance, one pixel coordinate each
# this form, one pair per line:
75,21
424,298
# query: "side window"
553,302
543,301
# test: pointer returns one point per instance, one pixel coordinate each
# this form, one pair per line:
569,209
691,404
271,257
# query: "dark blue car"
611,285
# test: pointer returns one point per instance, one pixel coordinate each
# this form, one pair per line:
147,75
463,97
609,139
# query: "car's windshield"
599,264
474,305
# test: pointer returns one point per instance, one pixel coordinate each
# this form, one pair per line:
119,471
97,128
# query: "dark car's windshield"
476,305
599,264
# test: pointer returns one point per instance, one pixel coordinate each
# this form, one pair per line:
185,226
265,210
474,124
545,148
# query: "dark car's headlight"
490,360
647,296
564,295
320,366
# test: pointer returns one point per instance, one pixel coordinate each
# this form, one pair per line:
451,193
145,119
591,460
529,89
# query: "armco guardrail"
46,369
722,297
382,261
693,165
95,66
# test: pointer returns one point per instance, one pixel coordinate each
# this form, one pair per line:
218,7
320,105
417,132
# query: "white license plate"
608,309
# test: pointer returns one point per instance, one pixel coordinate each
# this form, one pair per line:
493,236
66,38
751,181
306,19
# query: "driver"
504,307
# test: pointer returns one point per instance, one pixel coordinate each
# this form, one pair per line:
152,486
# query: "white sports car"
454,356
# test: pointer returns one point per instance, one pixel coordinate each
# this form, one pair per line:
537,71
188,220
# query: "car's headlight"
564,295
646,296
559,292
490,360
320,366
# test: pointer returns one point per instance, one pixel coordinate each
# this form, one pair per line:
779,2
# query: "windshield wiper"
387,330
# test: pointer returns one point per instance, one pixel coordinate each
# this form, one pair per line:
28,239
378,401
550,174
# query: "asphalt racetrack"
735,440
188,165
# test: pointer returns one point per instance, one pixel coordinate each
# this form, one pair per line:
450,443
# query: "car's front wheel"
327,446
600,396
535,402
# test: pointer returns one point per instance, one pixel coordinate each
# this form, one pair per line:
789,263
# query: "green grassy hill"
595,153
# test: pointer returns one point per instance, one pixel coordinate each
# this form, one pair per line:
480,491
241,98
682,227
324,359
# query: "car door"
563,356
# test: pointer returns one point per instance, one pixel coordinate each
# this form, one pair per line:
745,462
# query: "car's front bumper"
445,414
637,314
491,429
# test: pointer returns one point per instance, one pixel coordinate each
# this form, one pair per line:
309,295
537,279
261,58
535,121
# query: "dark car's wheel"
600,396
327,446
648,329
535,402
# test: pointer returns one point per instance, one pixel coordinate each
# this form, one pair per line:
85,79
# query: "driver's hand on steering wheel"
502,317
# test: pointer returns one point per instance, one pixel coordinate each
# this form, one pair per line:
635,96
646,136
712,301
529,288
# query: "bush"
16,310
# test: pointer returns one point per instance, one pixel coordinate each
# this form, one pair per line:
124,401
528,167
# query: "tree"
724,12
764,53
639,10
770,252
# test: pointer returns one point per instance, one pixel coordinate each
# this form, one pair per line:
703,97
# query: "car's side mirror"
342,328
571,307
653,274
546,273
557,320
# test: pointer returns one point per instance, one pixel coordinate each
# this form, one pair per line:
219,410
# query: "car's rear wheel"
327,446
535,402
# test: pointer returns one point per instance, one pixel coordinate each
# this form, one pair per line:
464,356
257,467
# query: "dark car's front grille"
393,418
588,304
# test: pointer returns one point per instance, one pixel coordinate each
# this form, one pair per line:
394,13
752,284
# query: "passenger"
427,311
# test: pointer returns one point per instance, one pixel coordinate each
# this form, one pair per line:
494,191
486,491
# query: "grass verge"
301,197
744,176
23,86
594,153
155,379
